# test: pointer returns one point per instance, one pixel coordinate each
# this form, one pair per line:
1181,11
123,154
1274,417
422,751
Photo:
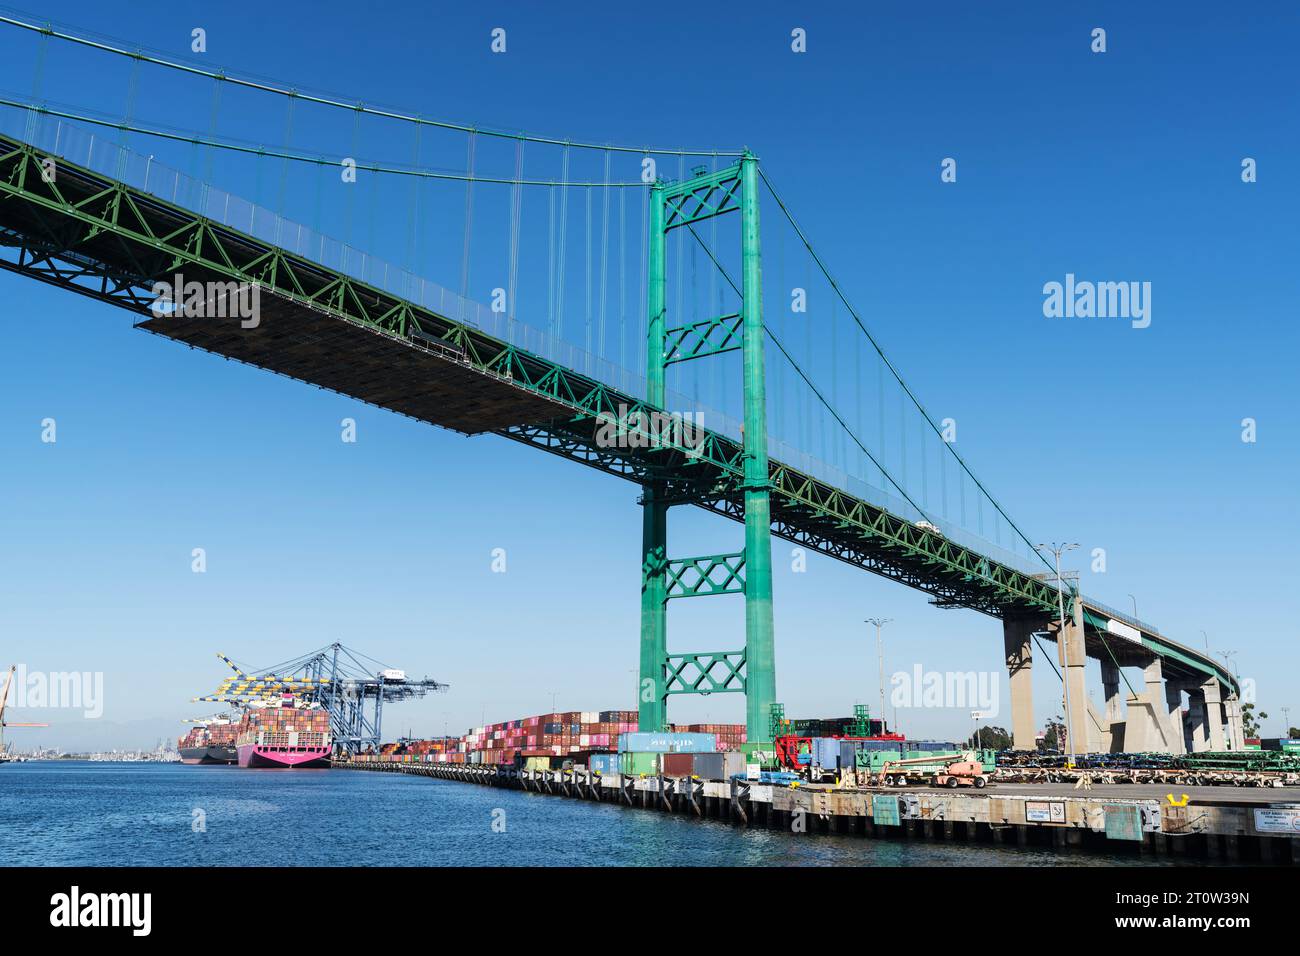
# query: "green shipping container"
634,763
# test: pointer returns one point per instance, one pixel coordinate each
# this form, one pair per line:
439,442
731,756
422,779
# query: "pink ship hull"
251,755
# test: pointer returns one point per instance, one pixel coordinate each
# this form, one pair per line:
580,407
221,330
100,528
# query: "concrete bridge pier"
1207,717
1147,726
1017,633
1114,724
1235,726
1198,719
1174,716
1074,659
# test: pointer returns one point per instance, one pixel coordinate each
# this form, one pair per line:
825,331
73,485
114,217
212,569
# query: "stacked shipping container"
209,735
582,736
284,727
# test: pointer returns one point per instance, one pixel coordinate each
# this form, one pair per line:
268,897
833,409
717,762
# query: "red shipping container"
678,765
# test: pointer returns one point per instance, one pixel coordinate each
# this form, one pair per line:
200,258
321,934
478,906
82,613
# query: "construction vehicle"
955,770
962,773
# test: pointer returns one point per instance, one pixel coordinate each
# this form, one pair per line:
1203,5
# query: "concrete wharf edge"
1212,824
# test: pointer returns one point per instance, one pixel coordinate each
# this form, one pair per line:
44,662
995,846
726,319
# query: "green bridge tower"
751,671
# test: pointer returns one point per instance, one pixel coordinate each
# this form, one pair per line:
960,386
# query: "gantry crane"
4,698
344,682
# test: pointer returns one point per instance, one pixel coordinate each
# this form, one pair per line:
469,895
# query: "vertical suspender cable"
925,483
38,76
861,420
516,224
211,151
351,200
122,139
284,163
469,226
587,337
902,439
805,396
834,452
880,415
551,285
563,246
943,484
622,280
413,209
604,257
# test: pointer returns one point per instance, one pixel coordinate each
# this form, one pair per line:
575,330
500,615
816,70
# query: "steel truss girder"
695,673
67,271
694,200
706,576
696,340
160,237
809,513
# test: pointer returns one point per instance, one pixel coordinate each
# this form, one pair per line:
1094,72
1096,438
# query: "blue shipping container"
604,763
665,743
826,752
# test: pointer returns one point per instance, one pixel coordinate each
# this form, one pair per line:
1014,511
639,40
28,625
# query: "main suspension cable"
267,87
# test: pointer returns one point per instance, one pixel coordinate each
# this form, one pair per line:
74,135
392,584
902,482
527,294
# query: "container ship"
210,743
287,733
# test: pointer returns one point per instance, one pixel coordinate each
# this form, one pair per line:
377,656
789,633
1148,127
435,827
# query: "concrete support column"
1017,635
1073,657
1146,726
1236,729
1110,684
1114,721
1213,713
1174,716
1199,718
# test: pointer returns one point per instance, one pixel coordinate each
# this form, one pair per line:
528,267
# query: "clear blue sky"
1117,166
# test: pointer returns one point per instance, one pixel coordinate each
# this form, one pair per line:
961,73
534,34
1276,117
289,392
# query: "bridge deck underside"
431,384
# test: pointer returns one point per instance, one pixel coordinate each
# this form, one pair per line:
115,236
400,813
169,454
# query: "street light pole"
1135,606
1227,660
880,654
1056,550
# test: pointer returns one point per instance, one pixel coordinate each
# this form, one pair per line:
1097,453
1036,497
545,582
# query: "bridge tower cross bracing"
751,671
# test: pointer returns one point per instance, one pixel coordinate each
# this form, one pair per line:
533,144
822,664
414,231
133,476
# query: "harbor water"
73,813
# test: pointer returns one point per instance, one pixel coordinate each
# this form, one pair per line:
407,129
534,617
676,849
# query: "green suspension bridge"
602,258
